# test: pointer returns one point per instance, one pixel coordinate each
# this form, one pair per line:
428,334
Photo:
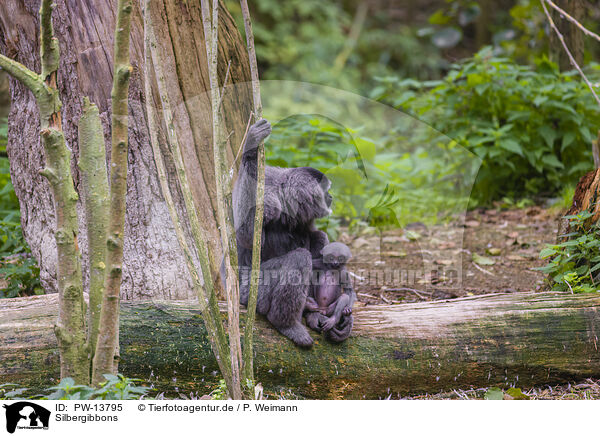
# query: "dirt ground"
498,251
489,251
585,390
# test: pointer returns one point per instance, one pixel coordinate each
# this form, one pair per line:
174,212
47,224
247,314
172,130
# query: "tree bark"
492,340
153,261
573,36
586,197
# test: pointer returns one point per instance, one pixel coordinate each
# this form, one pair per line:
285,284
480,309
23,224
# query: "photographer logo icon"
26,415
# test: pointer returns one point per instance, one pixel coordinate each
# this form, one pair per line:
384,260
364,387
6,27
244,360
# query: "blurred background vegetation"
483,73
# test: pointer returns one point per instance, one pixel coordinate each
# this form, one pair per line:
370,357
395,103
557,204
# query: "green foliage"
22,276
220,393
565,198
11,391
371,180
575,263
498,394
532,127
383,215
116,387
9,205
303,40
530,23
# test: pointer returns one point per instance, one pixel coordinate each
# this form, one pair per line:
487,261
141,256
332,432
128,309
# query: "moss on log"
493,340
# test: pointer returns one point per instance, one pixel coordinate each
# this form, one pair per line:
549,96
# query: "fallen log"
501,340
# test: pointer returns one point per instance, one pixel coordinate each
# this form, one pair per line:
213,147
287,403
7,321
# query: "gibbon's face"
325,199
336,255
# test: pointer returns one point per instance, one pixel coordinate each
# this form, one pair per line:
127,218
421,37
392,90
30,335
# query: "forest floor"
585,390
497,251
492,251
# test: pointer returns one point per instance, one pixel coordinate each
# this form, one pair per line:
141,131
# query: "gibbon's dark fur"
294,198
330,299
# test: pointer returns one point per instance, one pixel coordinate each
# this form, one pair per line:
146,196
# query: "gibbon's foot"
298,334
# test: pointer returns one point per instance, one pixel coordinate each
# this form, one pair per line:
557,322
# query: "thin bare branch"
222,95
248,370
224,202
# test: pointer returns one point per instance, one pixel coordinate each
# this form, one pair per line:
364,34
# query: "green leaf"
412,235
548,133
540,99
482,260
547,252
494,394
567,140
511,145
552,160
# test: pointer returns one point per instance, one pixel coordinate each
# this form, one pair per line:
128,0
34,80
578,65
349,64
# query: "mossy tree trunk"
71,326
154,265
94,184
523,339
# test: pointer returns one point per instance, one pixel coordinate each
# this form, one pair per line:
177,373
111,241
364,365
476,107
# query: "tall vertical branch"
106,348
70,328
248,370
206,294
224,197
94,192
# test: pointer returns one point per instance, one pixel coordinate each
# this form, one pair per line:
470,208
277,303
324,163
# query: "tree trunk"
491,340
586,195
153,262
573,36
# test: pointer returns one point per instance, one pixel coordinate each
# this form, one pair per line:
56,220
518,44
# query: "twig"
356,276
243,140
411,290
222,96
571,58
362,294
226,228
482,270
